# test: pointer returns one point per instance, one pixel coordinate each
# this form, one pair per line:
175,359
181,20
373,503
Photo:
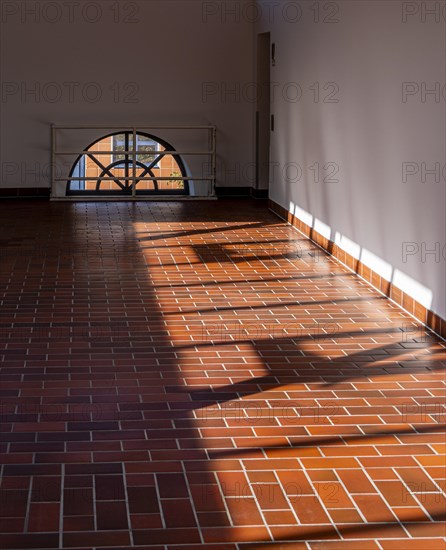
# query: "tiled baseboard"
24,192
44,192
240,192
422,314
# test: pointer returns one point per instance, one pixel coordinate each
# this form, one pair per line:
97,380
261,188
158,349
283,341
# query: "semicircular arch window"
113,164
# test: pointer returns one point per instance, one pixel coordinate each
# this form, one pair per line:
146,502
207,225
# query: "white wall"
367,49
150,61
362,51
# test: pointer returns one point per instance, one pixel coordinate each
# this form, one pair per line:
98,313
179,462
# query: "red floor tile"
172,377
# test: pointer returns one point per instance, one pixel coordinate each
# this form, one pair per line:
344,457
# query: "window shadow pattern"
150,401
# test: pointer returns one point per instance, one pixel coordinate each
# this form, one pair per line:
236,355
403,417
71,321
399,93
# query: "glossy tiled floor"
186,375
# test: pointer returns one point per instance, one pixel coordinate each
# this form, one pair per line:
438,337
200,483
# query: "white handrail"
212,153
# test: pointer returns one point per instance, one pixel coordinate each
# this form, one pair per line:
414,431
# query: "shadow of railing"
120,410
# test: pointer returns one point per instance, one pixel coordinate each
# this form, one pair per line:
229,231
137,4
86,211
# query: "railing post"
53,159
135,156
214,160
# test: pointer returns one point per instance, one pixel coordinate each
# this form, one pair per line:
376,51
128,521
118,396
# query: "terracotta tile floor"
184,375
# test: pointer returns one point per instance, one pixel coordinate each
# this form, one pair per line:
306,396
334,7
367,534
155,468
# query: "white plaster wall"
149,62
367,49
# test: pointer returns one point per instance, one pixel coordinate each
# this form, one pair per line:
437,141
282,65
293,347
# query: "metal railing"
134,178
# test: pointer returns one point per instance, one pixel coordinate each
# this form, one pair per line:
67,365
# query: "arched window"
112,164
